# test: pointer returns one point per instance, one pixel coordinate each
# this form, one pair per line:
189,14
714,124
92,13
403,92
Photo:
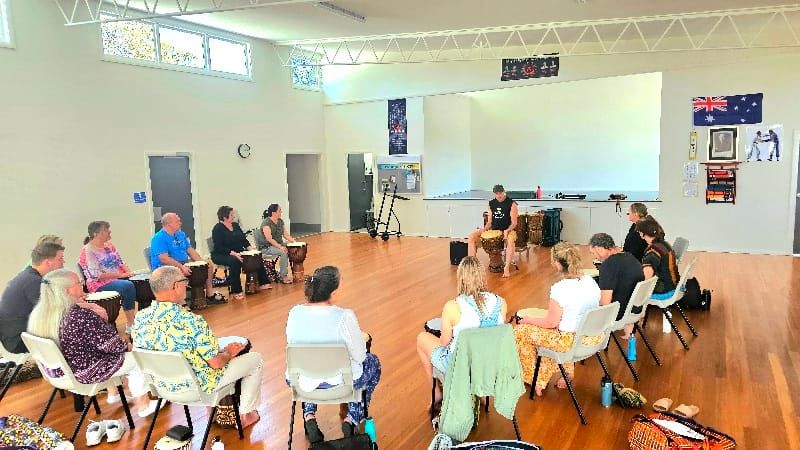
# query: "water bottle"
539,192
632,348
369,428
217,444
605,392
665,326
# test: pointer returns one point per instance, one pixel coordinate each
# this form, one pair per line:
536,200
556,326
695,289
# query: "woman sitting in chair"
659,259
91,346
320,321
570,299
104,269
229,242
474,307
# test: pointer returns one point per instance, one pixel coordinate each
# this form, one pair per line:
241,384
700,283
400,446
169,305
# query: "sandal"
662,404
348,429
216,299
686,411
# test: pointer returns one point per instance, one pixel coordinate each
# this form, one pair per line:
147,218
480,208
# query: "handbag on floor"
646,434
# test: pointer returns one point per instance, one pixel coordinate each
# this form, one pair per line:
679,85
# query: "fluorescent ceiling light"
338,10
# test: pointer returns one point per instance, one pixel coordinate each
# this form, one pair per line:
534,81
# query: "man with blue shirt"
171,247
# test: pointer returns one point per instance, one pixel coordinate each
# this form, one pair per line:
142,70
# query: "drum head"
250,252
196,264
533,313
491,234
591,272
140,277
296,244
434,324
102,295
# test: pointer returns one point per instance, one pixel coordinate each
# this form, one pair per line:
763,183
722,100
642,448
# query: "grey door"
172,191
360,189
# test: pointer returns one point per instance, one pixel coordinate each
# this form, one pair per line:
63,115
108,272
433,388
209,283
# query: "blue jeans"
126,289
368,381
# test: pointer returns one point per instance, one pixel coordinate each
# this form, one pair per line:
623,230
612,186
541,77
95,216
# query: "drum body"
251,264
144,293
535,224
522,231
297,255
434,327
111,301
492,244
197,281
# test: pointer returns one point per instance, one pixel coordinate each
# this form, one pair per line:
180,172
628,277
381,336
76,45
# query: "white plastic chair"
15,360
596,322
671,302
638,301
173,368
679,247
48,356
320,361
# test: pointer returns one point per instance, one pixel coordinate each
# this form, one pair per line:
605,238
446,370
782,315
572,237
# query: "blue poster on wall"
398,127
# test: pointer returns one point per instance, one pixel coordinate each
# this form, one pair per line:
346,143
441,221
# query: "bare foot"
238,296
506,272
539,391
561,383
250,418
264,287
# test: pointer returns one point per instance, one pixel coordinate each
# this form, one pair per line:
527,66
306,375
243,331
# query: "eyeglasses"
175,284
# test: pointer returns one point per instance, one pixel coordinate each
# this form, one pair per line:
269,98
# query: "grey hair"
602,240
164,278
166,219
640,209
54,302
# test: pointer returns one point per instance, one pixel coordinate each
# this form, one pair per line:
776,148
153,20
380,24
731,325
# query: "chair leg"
125,406
366,403
96,405
152,424
516,427
647,343
603,365
61,393
572,393
686,319
291,423
646,315
238,416
433,397
624,356
675,328
47,406
208,427
535,375
188,418
10,380
486,407
81,418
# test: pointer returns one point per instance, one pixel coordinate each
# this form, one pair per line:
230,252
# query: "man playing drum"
171,247
503,212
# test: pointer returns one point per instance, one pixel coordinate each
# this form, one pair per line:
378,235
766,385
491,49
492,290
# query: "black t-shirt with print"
501,213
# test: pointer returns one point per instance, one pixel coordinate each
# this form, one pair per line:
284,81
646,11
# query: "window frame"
318,87
205,32
7,38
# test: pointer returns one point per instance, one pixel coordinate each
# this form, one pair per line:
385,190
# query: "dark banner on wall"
398,127
524,68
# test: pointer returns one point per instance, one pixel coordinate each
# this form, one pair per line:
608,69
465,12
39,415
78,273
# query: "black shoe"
313,432
216,299
348,429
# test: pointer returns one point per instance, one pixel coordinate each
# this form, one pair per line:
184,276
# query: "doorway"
360,188
305,206
796,198
171,191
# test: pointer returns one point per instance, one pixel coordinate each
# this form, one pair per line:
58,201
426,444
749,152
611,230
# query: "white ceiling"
306,21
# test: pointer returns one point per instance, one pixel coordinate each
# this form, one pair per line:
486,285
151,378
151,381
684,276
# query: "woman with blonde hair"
91,346
570,299
474,307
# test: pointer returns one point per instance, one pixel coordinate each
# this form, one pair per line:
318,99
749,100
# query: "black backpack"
694,297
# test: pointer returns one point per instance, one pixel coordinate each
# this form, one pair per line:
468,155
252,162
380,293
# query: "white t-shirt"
575,296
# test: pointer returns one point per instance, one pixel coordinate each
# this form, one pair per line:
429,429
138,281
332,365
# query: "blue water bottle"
369,428
605,392
632,348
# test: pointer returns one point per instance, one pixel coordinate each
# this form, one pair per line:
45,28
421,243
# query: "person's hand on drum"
284,249
124,274
233,349
185,270
236,255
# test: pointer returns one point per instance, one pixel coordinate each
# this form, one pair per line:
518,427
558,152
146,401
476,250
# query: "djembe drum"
533,313
535,224
108,300
197,281
522,231
434,327
297,254
226,416
492,244
144,293
251,264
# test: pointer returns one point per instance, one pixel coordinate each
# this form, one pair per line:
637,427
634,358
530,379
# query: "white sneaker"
151,408
95,433
114,429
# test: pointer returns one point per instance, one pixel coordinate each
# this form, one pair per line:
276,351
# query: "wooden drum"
297,254
492,243
197,281
225,416
434,327
522,231
535,223
111,301
251,264
144,293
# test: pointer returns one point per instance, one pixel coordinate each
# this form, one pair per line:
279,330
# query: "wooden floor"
743,370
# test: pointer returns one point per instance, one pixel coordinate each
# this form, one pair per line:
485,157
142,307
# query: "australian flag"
730,110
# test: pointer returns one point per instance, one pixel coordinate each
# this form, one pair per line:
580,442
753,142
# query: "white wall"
600,134
74,131
303,177
447,165
760,222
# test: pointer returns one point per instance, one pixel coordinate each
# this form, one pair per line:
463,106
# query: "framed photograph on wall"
722,143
